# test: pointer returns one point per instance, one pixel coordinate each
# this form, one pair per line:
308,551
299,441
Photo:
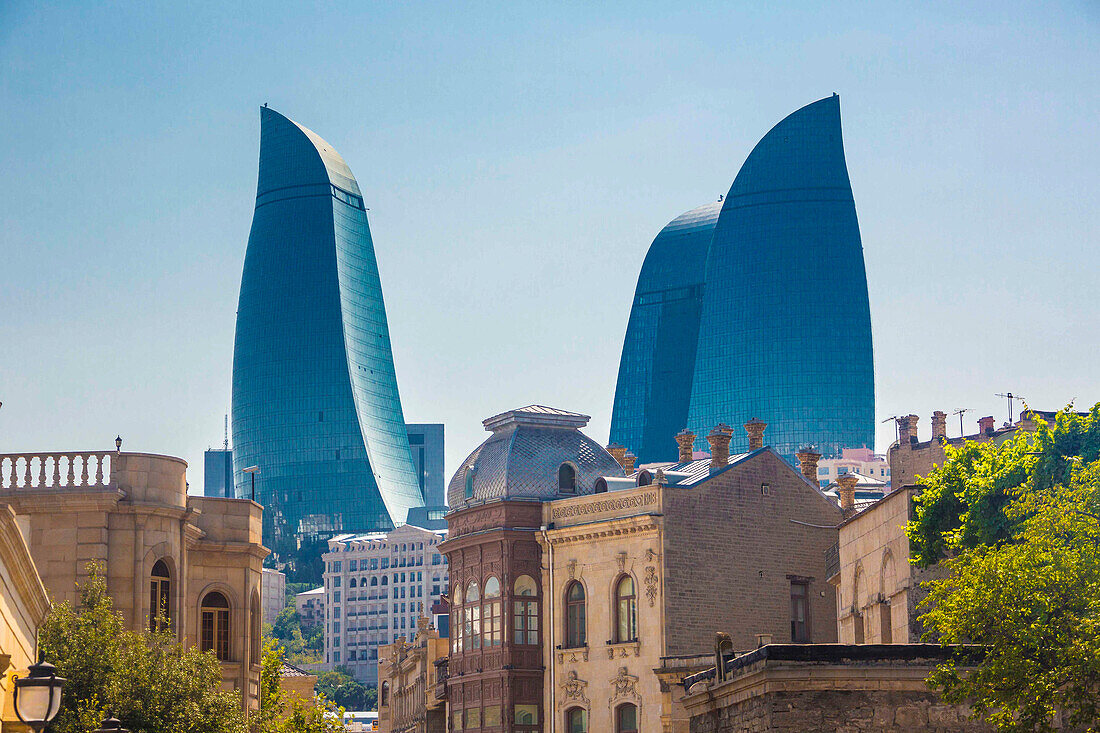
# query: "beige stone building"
641,574
189,563
411,698
23,607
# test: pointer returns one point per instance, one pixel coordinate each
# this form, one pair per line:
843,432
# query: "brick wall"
730,550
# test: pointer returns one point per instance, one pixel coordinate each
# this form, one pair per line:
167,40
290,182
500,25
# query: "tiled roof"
289,670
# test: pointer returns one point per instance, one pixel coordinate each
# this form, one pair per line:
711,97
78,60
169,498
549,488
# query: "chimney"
719,440
807,462
939,425
903,430
985,425
847,492
628,462
618,453
686,440
755,429
913,420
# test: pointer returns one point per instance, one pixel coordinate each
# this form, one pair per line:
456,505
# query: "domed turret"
534,452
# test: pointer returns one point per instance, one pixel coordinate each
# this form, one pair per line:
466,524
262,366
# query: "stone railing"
69,470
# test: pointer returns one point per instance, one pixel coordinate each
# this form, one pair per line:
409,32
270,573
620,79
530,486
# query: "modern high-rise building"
783,327
426,446
654,389
315,401
217,475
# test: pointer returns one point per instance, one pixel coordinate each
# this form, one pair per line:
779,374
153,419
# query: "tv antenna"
897,428
226,443
1010,397
960,411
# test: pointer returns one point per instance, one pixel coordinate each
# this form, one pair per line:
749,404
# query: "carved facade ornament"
571,566
572,690
650,554
621,558
624,685
651,584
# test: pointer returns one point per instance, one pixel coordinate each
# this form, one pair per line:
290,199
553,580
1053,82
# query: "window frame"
160,597
576,623
619,718
617,609
221,620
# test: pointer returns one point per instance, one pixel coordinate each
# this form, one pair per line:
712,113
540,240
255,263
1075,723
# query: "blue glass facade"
784,331
315,401
653,392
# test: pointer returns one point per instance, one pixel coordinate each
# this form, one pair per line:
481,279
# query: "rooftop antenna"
226,444
1010,397
897,429
959,411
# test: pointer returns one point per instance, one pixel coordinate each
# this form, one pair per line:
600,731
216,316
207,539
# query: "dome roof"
522,457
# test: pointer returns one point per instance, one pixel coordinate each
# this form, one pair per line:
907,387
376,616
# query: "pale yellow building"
641,574
23,608
408,682
190,563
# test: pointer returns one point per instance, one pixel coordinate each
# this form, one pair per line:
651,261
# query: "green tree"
964,502
283,713
148,680
303,645
346,691
1017,526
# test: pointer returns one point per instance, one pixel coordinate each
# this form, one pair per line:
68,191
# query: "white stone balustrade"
68,470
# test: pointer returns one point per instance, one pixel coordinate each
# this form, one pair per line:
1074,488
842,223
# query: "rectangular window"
353,565
527,714
492,624
525,623
491,719
336,582
800,613
457,720
473,718
337,565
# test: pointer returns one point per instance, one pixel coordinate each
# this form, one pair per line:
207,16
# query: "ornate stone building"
189,563
642,572
409,673
495,669
23,607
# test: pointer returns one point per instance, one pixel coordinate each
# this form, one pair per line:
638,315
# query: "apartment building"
375,587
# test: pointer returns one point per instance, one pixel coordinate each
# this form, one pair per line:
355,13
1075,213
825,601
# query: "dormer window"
469,482
567,479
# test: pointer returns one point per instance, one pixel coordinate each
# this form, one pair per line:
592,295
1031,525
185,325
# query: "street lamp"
111,725
253,470
118,444
38,695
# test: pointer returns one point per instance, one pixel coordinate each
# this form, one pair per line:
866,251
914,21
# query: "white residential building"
376,586
311,606
273,594
863,461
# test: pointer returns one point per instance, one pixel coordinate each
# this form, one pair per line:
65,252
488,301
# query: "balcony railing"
69,470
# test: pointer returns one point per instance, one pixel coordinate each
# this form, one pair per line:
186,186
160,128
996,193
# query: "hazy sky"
518,159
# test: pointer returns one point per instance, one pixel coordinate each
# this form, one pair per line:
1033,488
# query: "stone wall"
787,688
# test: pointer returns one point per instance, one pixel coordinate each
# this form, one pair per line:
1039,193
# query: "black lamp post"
111,725
38,695
253,470
118,444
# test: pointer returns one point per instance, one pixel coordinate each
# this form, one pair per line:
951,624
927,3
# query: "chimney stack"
913,420
719,440
807,462
903,430
939,425
755,429
618,453
985,425
628,462
847,492
686,440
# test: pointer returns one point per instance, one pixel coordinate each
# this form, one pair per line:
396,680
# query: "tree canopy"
1017,525
147,680
338,685
285,713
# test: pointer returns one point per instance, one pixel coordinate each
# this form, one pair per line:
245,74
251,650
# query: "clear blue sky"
518,159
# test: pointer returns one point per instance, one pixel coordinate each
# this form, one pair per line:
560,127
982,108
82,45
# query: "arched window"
626,610
857,612
645,478
576,720
471,616
626,718
160,594
374,581
384,694
888,584
600,487
574,615
525,616
214,625
490,612
567,479
255,618
385,580
352,583
456,618
469,482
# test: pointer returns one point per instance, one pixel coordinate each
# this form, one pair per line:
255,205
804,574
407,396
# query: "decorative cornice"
16,556
607,528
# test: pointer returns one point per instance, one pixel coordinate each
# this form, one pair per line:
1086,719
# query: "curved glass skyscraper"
654,387
784,331
315,401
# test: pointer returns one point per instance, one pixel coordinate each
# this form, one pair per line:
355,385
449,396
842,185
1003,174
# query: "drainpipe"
548,595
